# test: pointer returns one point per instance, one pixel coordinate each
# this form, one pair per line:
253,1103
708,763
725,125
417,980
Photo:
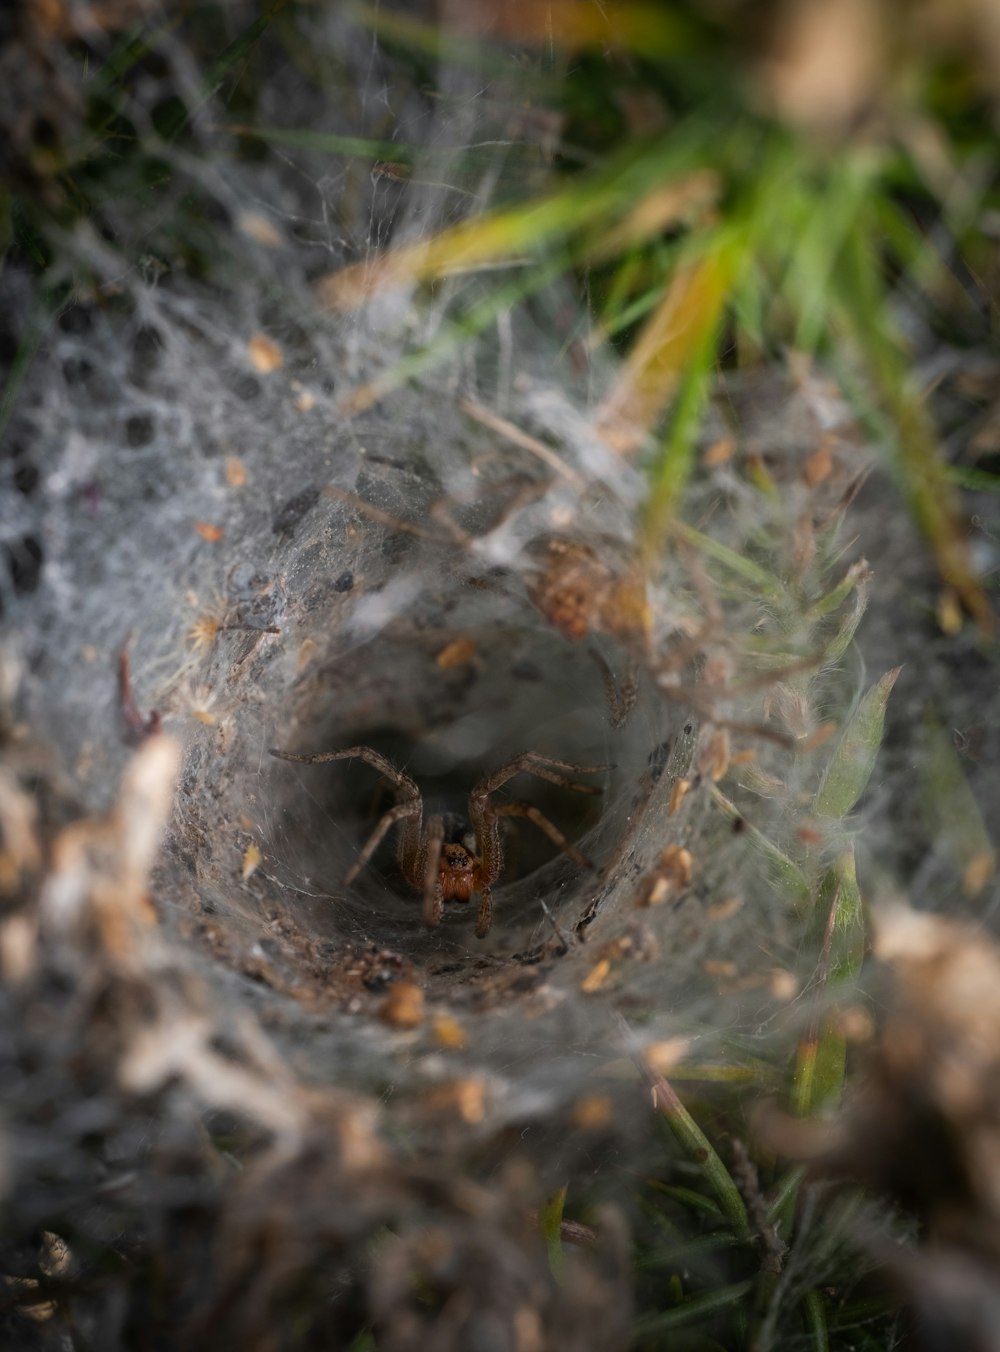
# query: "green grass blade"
550,1225
848,626
697,1308
695,1201
822,1054
854,758
686,1250
764,583
357,147
814,1317
703,1153
783,873
909,430
953,816
452,335
238,51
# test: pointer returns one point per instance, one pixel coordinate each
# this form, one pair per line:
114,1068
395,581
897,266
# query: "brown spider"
444,869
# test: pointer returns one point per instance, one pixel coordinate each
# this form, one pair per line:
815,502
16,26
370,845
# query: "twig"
376,514
528,443
137,728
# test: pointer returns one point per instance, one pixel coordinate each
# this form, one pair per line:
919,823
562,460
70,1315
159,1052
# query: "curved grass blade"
851,765
954,818
550,1225
814,1316
783,873
698,1307
702,1152
822,1054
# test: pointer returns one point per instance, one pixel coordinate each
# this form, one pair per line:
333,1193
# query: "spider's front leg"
485,817
410,852
431,847
485,917
489,864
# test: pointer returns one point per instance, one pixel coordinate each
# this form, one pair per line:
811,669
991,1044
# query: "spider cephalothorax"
449,870
458,871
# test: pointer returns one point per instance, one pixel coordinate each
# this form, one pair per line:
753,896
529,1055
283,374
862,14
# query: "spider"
432,857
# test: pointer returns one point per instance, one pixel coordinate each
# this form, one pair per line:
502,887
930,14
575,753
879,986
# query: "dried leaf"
818,466
673,874
20,853
596,977
466,1097
949,611
714,757
784,985
593,1112
265,355
449,1033
677,795
722,910
252,860
827,64
236,473
456,653
403,1006
679,326
665,1055
666,205
978,871
18,948
719,453
719,967
260,229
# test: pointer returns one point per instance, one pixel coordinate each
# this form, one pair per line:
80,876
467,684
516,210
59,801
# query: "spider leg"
485,917
483,813
401,812
430,884
408,809
488,844
404,785
542,767
542,822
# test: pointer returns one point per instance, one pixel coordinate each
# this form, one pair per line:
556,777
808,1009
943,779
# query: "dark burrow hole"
140,429
346,801
75,320
24,564
320,816
26,478
147,349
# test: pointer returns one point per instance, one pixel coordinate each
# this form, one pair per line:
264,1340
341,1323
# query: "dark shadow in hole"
26,478
24,563
140,429
328,811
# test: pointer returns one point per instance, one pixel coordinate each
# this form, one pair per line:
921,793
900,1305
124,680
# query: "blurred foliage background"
723,182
